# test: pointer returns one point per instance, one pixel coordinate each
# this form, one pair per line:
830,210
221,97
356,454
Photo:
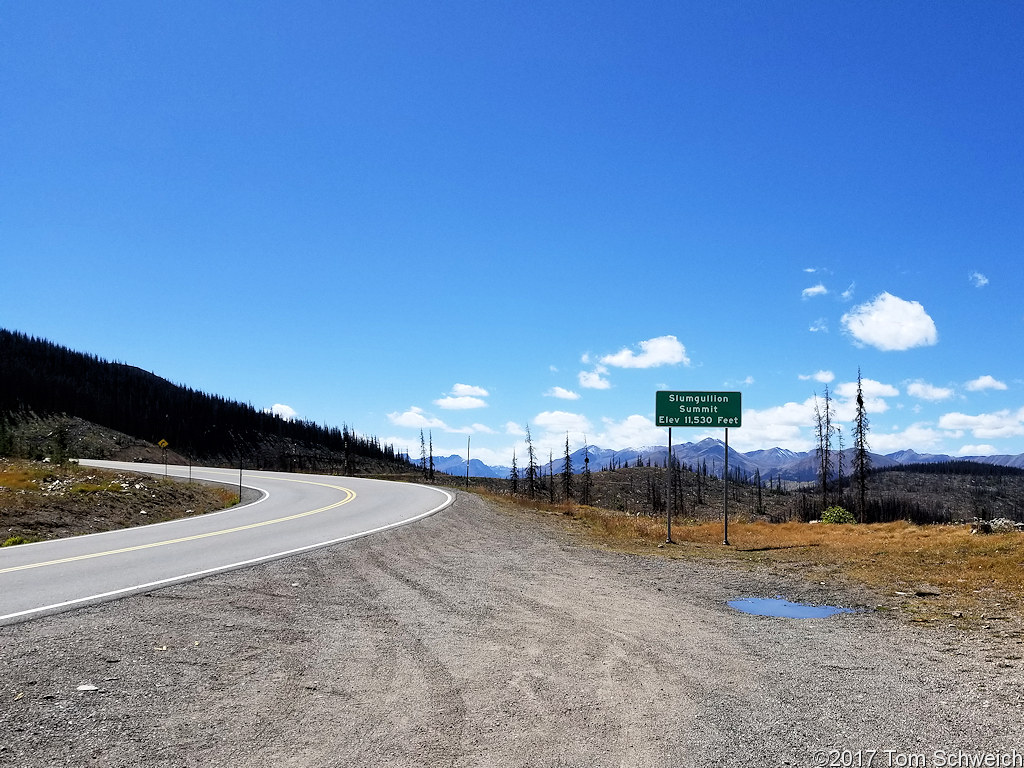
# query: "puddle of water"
777,606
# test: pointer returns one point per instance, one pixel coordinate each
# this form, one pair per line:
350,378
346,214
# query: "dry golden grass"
22,476
44,501
974,575
227,498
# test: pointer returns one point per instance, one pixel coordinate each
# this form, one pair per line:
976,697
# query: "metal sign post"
671,489
726,486
698,409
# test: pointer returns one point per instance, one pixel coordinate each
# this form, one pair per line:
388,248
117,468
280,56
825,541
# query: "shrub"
837,515
14,541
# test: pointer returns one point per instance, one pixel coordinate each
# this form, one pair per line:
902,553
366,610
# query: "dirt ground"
43,501
491,636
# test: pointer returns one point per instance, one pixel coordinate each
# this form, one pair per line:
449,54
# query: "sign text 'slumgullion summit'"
698,409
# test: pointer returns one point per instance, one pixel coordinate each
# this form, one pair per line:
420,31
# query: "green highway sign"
698,409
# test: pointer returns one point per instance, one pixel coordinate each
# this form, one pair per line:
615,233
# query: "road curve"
295,513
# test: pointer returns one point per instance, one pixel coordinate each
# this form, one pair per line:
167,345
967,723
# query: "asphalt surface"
492,636
293,513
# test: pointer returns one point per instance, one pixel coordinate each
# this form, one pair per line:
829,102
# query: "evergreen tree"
430,466
513,477
840,462
551,476
423,455
6,440
824,430
567,484
531,466
676,484
587,480
39,379
861,456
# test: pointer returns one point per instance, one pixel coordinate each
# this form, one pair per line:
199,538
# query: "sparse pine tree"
423,455
824,430
551,476
861,456
567,484
513,476
430,466
840,469
675,483
820,451
587,480
531,466
6,440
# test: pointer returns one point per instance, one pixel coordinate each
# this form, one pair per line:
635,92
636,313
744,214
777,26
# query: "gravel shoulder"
488,637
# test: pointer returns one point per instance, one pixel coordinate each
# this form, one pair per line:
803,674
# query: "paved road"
295,513
490,637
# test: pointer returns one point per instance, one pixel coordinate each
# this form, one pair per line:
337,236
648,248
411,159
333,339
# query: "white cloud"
549,430
819,326
890,323
460,403
920,437
825,377
634,431
977,450
984,382
491,457
788,415
848,293
512,428
869,387
562,394
483,429
782,426
286,412
925,391
814,290
758,436
468,390
986,426
560,422
663,350
978,280
463,397
875,392
415,418
595,379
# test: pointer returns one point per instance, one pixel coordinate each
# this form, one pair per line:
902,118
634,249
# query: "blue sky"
468,218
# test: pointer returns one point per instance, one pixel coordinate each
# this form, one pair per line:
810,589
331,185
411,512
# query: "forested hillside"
42,379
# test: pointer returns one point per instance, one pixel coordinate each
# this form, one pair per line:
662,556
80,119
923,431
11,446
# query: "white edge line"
264,495
56,607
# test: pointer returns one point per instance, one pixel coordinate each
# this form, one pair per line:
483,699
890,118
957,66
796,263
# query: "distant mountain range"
775,463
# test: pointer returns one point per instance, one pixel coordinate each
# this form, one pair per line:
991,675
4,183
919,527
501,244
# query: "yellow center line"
349,495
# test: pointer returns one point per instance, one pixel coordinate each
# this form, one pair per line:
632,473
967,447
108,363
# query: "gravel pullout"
480,637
